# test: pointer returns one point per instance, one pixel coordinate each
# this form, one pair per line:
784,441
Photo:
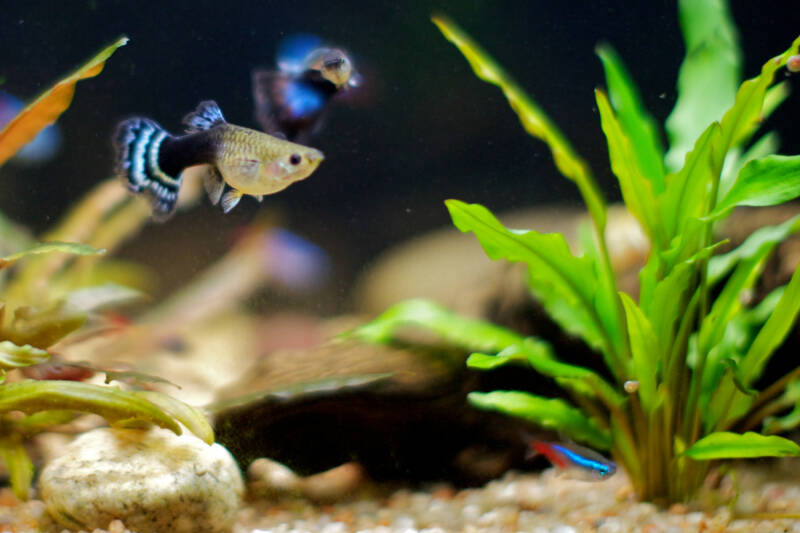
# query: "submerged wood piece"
401,412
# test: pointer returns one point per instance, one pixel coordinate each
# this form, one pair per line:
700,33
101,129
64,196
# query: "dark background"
425,129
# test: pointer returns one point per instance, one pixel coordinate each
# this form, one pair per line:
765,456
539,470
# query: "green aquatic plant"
684,359
50,289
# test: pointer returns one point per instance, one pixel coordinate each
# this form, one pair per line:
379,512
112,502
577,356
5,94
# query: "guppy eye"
295,159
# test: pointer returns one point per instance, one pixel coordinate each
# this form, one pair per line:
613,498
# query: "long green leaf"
533,119
789,421
636,122
725,395
645,352
729,302
49,106
713,60
773,332
552,413
115,405
191,417
20,466
687,191
771,180
13,356
745,116
46,247
766,236
637,190
564,284
726,445
470,334
540,357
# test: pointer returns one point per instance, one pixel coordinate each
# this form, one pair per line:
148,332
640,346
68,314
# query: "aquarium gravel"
517,502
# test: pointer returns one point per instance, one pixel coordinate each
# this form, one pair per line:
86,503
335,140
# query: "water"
426,130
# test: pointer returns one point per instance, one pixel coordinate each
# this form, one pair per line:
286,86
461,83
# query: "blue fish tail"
207,115
138,143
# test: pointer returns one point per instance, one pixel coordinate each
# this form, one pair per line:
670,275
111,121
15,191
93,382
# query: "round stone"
152,480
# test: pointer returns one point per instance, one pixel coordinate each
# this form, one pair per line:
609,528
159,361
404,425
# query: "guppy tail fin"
207,115
138,142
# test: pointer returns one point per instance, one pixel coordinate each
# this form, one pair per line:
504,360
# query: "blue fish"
291,101
581,462
43,147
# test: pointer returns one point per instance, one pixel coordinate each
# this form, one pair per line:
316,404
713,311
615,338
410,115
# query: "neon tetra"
580,462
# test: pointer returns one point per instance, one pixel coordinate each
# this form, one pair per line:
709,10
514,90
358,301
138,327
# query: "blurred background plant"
55,291
682,363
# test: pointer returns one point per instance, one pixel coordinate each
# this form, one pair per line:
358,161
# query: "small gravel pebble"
526,503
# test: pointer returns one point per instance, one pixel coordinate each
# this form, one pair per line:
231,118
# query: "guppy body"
238,160
293,99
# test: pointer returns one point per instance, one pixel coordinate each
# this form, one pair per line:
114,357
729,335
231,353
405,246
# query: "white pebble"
152,480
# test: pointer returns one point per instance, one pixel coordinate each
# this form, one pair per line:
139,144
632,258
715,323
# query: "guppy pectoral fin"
230,199
213,183
259,197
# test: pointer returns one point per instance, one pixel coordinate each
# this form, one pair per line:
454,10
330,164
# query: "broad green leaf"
129,377
724,394
43,327
484,361
745,116
533,119
718,389
20,466
726,445
637,190
42,421
13,356
193,418
774,331
552,413
708,77
540,357
668,302
606,300
766,145
645,352
470,334
636,122
771,180
564,284
102,297
46,247
787,422
729,301
754,244
47,107
688,189
117,406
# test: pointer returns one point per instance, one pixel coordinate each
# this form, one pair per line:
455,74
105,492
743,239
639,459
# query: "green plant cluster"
49,290
683,363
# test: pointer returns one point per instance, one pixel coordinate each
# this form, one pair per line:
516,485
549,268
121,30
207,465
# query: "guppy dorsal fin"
206,116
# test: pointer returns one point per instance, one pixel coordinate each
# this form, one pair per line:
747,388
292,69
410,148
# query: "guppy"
238,160
586,463
292,100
